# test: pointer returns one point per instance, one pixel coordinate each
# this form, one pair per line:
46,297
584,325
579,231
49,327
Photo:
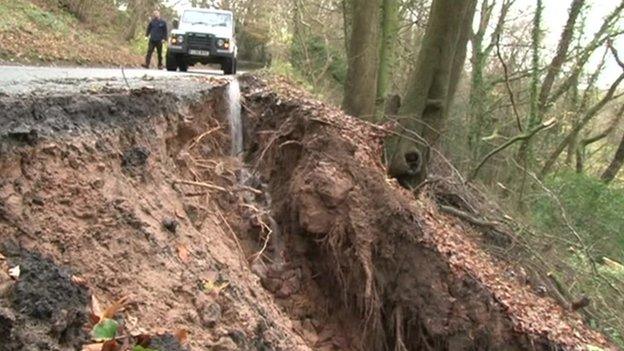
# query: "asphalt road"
24,79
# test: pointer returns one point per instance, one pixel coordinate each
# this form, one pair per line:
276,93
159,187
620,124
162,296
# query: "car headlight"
223,43
177,39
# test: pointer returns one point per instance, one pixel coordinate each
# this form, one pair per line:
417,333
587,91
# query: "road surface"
25,79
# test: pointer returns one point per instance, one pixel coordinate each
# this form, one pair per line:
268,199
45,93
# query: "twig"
525,136
199,138
234,236
615,53
507,85
201,184
248,188
259,254
123,73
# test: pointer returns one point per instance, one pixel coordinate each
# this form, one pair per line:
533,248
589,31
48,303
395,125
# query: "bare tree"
432,86
479,88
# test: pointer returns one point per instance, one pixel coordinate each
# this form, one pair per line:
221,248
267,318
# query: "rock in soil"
135,157
170,224
48,307
166,342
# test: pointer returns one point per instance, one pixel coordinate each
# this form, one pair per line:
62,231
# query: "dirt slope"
93,192
131,193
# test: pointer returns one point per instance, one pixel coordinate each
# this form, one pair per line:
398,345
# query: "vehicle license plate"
199,52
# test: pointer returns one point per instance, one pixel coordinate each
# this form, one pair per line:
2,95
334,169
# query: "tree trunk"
389,32
480,120
478,90
361,83
432,86
613,169
534,118
346,23
138,11
561,55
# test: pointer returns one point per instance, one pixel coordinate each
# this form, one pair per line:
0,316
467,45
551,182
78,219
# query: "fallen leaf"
14,272
93,320
105,330
96,308
79,280
181,335
110,346
115,307
211,287
93,347
183,253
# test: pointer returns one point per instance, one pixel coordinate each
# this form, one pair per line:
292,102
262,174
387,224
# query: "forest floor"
34,32
130,199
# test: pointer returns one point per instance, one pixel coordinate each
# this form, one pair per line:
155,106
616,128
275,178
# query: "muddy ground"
302,243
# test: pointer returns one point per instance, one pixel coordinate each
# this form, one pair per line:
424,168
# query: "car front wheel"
171,62
229,66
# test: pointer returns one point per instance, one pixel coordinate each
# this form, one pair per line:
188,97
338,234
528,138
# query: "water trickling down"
246,177
234,117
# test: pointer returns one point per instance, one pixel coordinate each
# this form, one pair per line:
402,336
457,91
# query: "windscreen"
207,18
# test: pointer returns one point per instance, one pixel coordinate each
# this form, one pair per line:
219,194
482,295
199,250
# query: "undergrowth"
580,220
17,15
594,208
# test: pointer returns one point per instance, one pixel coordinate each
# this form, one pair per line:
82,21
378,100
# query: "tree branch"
523,137
609,96
615,54
507,85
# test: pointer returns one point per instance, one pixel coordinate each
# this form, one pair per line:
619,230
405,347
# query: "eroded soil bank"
304,246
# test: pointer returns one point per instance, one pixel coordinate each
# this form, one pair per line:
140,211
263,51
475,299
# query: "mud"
43,309
316,249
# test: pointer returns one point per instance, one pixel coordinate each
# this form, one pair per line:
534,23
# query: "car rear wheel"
229,66
171,62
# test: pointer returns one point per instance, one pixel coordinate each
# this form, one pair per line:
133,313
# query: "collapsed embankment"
308,246
91,183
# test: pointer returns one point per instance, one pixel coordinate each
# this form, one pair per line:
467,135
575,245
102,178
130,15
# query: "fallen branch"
467,217
522,137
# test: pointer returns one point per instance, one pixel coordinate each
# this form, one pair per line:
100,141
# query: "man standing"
157,34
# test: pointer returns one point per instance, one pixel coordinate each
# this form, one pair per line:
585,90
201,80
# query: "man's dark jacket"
157,30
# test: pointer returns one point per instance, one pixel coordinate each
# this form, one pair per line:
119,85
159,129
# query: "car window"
207,18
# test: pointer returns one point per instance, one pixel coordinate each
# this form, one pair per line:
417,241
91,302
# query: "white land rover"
203,36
